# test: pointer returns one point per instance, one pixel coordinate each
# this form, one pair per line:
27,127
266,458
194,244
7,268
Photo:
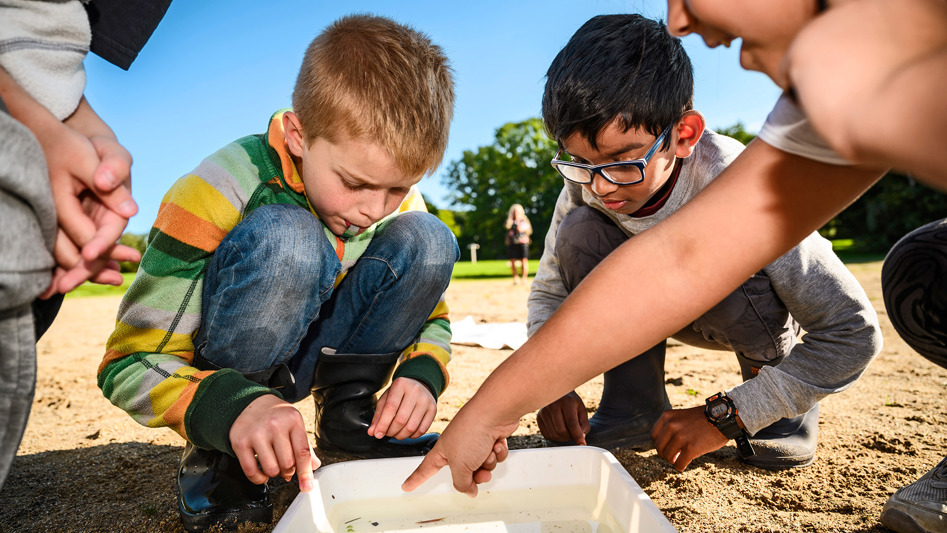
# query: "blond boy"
299,261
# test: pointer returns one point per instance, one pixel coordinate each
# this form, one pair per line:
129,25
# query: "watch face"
718,410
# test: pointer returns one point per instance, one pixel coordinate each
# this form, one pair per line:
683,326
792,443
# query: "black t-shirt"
120,28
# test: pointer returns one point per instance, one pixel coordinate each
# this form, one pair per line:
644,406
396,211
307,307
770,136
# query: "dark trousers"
914,285
752,321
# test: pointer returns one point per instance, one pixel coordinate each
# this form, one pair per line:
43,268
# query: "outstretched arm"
869,75
649,288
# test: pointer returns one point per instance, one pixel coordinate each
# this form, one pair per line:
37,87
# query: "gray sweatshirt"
42,46
841,332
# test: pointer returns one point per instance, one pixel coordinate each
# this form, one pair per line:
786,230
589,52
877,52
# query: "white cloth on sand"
494,336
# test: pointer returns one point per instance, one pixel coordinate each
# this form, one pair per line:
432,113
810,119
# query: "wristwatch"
721,412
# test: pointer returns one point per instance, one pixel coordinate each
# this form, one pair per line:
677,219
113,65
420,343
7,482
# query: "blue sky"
215,70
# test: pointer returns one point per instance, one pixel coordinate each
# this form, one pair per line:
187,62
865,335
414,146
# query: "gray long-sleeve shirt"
842,334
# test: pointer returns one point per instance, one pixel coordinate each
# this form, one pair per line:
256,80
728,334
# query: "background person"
518,232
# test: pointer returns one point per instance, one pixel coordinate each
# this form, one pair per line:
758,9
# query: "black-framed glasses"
619,172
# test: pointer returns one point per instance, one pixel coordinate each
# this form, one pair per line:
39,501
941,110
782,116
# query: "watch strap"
744,446
730,427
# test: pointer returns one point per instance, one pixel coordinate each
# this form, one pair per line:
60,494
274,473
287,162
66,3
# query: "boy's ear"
689,130
294,133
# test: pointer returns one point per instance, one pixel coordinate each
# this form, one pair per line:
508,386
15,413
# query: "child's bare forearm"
23,107
87,122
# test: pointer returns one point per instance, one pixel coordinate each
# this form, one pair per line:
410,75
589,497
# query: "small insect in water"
431,521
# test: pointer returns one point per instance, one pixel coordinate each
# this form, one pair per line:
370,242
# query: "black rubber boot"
633,398
788,442
212,488
344,388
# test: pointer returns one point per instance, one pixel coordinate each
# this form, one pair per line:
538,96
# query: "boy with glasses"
618,100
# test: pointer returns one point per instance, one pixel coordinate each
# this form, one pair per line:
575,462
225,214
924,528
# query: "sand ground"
85,466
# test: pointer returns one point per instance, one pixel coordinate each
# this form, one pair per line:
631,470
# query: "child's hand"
564,419
405,410
682,435
86,162
472,445
269,438
88,172
73,269
113,171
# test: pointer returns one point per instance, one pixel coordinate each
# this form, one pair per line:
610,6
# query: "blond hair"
516,212
379,81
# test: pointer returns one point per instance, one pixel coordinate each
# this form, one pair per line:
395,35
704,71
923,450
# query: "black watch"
721,412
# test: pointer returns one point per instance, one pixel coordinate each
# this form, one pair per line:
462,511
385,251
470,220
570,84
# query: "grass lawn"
490,268
848,252
462,270
94,289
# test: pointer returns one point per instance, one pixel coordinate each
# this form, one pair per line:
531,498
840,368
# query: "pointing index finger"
430,465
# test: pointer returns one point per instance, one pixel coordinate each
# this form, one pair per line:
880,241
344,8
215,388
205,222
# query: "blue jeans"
270,297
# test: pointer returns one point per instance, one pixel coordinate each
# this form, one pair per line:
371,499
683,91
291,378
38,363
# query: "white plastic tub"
545,490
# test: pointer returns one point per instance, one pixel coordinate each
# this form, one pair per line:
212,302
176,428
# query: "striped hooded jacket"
147,368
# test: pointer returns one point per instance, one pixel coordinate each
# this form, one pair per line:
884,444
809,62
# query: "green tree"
886,212
444,215
487,181
890,209
738,132
136,241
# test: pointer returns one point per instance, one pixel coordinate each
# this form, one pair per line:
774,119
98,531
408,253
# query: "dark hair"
617,66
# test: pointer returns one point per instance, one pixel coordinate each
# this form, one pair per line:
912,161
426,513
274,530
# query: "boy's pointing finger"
306,460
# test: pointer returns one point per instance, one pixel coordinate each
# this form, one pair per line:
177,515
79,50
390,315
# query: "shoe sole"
898,520
367,453
782,463
635,444
197,523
